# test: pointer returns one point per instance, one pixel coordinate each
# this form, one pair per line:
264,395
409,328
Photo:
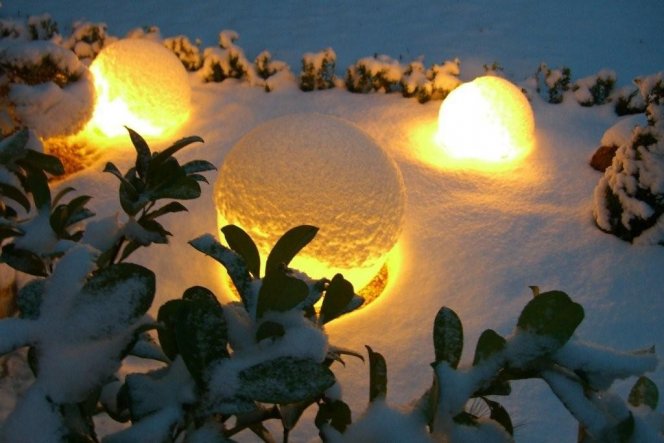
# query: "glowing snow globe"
317,170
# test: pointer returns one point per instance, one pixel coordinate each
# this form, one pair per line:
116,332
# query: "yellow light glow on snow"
317,170
139,84
486,121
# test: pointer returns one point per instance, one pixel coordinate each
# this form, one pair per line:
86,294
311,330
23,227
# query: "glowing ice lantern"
488,119
142,85
317,170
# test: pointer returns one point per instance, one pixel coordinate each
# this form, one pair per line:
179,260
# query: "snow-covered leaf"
289,245
500,415
24,260
285,380
30,298
143,153
489,343
552,314
15,194
447,337
160,157
334,413
644,392
45,162
167,317
239,241
269,329
377,375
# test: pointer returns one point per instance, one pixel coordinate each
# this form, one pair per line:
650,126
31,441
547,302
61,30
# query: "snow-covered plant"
646,90
188,52
42,27
378,73
434,83
595,89
230,368
33,240
87,40
149,32
227,61
271,72
45,87
542,346
13,28
629,198
155,176
555,82
318,70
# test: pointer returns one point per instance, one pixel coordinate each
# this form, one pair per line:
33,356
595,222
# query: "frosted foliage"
318,170
140,80
381,423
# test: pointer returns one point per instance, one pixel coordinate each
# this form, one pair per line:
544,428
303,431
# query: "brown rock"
603,157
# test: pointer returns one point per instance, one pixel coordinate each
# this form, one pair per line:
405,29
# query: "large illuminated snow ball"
317,170
486,120
142,85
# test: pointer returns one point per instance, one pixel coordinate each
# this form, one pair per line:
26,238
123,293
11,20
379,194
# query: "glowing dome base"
488,120
316,170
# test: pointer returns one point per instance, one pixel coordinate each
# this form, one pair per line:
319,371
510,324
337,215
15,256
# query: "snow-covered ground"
472,241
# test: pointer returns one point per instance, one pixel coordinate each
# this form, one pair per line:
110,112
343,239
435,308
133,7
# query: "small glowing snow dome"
488,119
142,85
317,170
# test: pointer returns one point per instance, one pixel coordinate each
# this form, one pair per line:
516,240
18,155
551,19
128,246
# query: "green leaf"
552,314
160,157
44,162
280,292
239,241
15,194
143,154
195,166
644,392
200,293
59,196
8,231
448,337
500,415
183,188
269,329
377,375
24,260
202,337
489,343
29,299
14,147
166,209
335,413
338,295
289,245
285,380
37,185
168,315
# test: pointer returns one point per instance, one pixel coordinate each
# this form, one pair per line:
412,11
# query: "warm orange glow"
139,84
488,120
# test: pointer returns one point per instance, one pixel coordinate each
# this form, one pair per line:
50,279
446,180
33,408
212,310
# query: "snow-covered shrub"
42,27
318,70
227,61
13,28
594,89
87,40
150,32
434,83
273,73
629,198
378,73
555,82
186,51
646,90
45,87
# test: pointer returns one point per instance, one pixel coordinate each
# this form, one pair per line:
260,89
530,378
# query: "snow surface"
472,241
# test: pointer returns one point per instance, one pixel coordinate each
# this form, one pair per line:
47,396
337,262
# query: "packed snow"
472,240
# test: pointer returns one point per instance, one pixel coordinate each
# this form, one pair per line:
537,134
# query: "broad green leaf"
285,380
500,415
214,404
335,413
280,292
29,299
160,157
338,295
202,337
8,231
489,343
61,193
195,166
447,337
143,154
269,329
14,146
377,375
166,209
184,188
644,392
239,241
289,245
45,162
200,293
168,316
37,185
23,260
552,314
15,194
